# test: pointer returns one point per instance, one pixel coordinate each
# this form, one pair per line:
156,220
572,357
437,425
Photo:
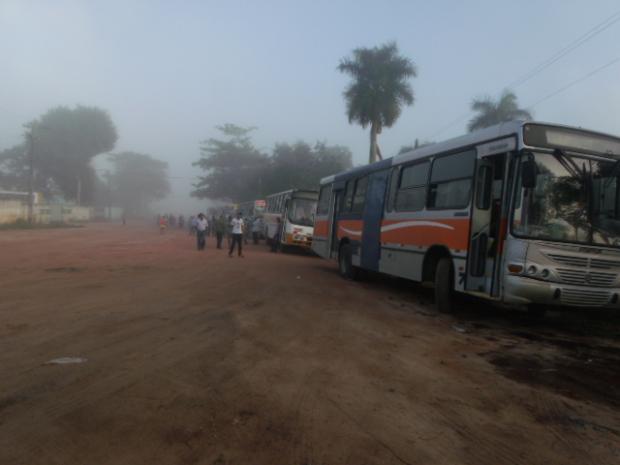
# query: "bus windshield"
576,199
301,212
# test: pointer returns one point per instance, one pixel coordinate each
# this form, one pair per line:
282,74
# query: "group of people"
166,221
235,228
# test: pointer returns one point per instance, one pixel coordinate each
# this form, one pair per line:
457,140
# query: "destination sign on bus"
570,139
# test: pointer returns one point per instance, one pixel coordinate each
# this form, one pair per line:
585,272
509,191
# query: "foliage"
237,171
301,166
137,180
63,142
233,165
13,168
490,112
379,88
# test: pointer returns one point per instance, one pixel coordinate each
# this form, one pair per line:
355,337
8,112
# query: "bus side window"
323,205
450,184
393,188
348,196
360,195
411,193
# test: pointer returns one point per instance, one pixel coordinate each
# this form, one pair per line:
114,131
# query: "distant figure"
257,227
201,231
237,235
171,220
229,230
123,218
192,225
163,224
275,240
220,230
181,221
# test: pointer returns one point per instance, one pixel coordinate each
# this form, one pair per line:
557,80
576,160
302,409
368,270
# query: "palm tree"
379,88
490,112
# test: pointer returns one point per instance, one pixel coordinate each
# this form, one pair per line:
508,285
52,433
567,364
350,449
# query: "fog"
169,72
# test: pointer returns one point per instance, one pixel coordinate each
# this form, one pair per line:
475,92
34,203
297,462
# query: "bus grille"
571,260
585,297
581,277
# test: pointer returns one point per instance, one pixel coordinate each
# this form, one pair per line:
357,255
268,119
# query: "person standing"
237,235
201,230
257,227
275,240
220,229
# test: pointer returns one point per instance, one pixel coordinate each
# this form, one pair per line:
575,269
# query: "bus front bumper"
521,290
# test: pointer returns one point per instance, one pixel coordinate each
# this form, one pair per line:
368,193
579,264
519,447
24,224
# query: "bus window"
360,195
324,196
348,196
411,194
393,188
450,185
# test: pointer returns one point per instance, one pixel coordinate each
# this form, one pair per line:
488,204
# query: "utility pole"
30,137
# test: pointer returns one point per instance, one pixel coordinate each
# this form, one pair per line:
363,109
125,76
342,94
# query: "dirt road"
197,358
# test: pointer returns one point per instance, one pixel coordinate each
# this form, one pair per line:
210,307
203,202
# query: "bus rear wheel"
345,265
444,285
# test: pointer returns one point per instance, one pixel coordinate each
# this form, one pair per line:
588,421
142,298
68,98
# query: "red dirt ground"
197,358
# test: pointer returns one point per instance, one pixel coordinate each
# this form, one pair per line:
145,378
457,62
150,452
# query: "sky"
170,72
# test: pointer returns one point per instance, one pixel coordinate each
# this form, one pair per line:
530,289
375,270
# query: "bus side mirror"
529,172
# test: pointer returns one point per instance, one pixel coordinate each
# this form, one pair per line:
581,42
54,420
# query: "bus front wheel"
444,285
345,265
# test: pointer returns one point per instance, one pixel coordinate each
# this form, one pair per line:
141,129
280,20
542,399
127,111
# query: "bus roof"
293,191
477,137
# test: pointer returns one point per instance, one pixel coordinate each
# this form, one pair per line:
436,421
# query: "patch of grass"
23,224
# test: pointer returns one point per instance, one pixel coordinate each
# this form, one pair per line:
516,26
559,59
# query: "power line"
596,30
576,81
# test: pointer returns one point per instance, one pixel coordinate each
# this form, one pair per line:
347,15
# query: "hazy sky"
168,72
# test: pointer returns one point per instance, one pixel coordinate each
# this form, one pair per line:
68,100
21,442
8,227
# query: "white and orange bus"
295,209
523,213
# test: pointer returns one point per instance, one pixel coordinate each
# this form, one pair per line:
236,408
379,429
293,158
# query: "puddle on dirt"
65,361
571,368
65,269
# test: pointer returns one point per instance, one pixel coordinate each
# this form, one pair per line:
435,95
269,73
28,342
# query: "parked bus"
295,208
523,213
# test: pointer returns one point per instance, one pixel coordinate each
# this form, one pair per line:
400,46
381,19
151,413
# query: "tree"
137,179
379,89
490,112
13,168
237,171
233,166
302,166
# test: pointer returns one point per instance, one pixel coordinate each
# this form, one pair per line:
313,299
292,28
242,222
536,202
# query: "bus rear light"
514,268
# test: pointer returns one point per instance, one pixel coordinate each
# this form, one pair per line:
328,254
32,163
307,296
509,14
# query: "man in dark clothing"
275,240
220,230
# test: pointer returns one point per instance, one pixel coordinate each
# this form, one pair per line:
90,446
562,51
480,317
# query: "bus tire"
444,285
345,265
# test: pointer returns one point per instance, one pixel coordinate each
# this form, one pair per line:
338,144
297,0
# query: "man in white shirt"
237,234
201,230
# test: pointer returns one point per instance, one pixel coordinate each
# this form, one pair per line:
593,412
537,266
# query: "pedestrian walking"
229,230
220,230
275,240
237,235
163,224
201,230
257,227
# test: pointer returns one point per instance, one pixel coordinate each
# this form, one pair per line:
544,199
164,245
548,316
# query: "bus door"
485,223
333,223
373,214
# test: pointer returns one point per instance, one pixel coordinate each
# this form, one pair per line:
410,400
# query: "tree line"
235,170
56,158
